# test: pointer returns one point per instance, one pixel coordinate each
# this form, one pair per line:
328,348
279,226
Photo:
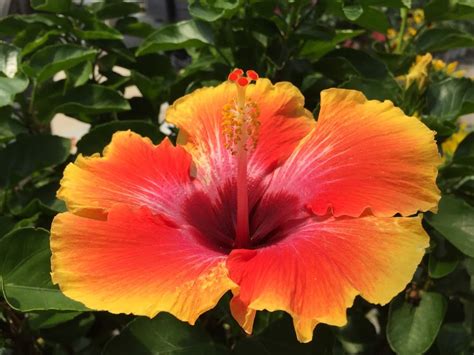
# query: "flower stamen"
240,126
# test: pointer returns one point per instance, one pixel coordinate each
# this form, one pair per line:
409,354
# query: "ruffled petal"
244,315
283,122
137,262
132,171
362,155
315,273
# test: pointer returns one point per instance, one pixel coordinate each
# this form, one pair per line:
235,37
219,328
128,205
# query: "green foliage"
162,335
26,280
77,60
411,329
185,34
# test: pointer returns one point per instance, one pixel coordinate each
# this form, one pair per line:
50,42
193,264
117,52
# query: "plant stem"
401,32
32,99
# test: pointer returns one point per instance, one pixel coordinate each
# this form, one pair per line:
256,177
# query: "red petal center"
271,218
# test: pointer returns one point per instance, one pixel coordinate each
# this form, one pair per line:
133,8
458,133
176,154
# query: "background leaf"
455,221
442,39
9,59
163,334
52,59
85,100
9,87
25,273
22,157
185,34
411,329
51,5
99,137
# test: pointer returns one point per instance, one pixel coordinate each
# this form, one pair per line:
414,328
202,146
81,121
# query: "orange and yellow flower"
449,69
450,145
418,72
257,198
418,16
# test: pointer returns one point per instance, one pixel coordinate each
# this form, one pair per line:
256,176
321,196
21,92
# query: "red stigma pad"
252,74
233,76
243,81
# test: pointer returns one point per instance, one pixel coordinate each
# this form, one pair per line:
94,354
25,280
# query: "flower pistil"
240,128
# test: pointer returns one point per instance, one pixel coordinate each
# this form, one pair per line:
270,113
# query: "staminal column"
240,128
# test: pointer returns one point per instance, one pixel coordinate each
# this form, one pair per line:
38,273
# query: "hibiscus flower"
257,198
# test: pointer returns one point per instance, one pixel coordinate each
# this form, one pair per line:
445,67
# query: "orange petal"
283,122
244,315
133,171
136,262
363,155
315,273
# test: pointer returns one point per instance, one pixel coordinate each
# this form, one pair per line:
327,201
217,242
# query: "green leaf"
443,128
6,225
352,11
211,11
387,3
373,19
74,333
156,65
411,329
78,75
151,88
50,319
185,34
465,149
10,224
459,173
25,272
455,221
98,30
280,338
437,10
31,200
89,99
31,153
315,49
374,89
100,136
133,27
13,24
51,5
454,338
163,334
52,59
9,125
343,63
443,39
116,81
109,10
9,87
9,59
358,336
443,261
39,41
450,98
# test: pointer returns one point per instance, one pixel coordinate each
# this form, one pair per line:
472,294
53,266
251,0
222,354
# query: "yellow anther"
240,122
238,119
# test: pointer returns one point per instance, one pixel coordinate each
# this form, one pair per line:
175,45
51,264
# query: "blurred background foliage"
101,64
